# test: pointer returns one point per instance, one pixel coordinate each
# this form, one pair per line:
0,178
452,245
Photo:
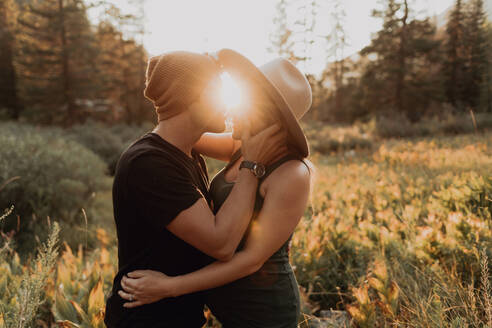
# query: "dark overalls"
268,298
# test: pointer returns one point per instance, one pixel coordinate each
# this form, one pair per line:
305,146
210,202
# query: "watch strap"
247,164
257,169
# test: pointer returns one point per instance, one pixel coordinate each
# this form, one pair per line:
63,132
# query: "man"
160,197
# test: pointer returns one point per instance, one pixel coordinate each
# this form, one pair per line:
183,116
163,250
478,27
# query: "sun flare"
231,93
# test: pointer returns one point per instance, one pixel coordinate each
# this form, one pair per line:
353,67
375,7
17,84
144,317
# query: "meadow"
397,234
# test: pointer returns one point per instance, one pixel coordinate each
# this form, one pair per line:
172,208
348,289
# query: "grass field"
401,235
397,234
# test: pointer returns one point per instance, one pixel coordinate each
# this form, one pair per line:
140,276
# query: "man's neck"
180,132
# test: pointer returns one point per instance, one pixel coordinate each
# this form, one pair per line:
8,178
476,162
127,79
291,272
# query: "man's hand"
265,146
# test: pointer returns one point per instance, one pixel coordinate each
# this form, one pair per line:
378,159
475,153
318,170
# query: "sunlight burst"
231,93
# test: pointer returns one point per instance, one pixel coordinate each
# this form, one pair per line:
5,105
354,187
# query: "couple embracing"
184,242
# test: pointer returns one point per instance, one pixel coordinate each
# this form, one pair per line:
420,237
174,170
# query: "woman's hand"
146,286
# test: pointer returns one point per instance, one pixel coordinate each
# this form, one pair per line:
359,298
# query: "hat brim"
241,67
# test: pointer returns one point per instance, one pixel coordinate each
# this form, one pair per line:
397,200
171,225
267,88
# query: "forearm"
220,146
234,215
216,274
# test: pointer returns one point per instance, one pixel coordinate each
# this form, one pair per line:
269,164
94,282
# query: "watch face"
259,170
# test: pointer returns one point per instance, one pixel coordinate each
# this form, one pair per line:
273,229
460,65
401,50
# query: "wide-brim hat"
284,84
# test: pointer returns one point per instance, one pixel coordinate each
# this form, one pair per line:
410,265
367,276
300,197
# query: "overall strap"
272,167
269,169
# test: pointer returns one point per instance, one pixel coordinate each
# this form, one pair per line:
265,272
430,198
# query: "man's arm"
167,199
220,146
219,235
285,202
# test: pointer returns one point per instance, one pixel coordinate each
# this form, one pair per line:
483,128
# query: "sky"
246,25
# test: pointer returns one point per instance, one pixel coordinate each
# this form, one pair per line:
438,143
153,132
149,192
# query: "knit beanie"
175,80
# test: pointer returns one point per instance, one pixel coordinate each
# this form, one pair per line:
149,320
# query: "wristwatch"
258,169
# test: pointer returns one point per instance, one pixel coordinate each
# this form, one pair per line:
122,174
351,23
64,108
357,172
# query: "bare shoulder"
292,175
293,171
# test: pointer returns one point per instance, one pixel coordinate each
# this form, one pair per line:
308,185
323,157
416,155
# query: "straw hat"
286,85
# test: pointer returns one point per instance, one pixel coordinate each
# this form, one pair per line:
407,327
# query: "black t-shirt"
154,182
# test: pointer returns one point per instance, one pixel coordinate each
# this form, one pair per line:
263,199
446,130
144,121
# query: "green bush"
45,175
394,127
327,138
129,133
107,142
100,140
398,126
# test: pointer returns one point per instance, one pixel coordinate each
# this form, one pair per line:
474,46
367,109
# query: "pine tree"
380,72
137,108
336,43
138,54
477,61
402,58
311,8
303,31
281,38
110,68
400,72
8,80
486,92
454,65
56,58
122,64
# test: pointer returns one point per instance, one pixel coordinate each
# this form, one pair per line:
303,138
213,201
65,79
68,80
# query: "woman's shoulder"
292,174
292,170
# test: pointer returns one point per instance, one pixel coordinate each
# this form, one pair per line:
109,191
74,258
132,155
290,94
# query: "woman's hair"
266,112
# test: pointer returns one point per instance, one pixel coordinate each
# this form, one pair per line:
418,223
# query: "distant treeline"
411,69
57,67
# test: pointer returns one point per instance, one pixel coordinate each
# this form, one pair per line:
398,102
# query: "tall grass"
402,236
398,235
22,298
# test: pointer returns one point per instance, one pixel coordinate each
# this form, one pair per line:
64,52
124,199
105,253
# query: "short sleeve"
160,189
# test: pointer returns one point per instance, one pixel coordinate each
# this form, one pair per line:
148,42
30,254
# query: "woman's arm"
285,201
220,146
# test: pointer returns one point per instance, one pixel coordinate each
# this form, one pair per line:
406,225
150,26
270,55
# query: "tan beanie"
175,80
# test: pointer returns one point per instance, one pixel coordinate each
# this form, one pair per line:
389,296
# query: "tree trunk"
487,88
66,82
339,86
8,81
400,79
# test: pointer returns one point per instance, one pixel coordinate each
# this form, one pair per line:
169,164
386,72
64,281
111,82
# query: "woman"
257,287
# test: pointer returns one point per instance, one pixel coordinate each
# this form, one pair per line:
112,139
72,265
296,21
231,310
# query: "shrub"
83,281
129,133
23,287
69,290
398,126
457,124
327,139
395,126
46,175
414,212
107,142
